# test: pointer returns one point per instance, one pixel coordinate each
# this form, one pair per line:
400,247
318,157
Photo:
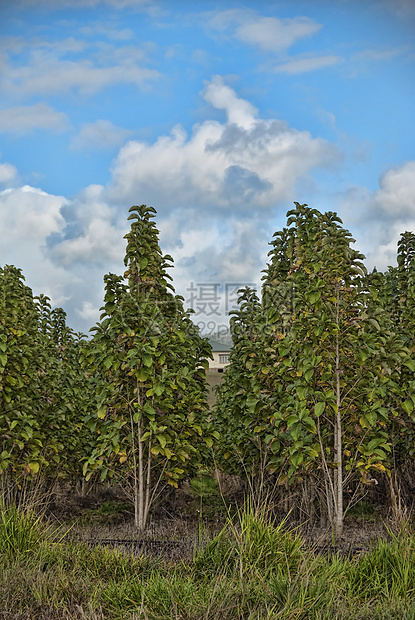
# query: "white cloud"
100,135
22,119
63,248
7,173
380,55
396,195
378,218
147,5
49,71
30,216
271,34
88,312
304,65
100,237
107,30
222,97
244,163
28,211
268,33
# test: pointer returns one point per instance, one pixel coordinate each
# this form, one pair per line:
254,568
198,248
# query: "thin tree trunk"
338,478
133,442
140,523
139,478
148,482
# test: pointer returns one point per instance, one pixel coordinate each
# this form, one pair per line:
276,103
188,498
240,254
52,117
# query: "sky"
219,114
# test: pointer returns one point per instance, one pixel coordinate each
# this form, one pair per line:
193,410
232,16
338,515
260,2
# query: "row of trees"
129,405
43,391
320,386
319,391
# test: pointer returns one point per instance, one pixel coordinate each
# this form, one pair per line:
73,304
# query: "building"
221,353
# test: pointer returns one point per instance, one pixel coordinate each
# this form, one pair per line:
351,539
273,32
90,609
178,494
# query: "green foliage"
314,378
204,487
43,391
148,359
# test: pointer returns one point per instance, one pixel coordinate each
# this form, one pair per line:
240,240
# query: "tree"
65,393
396,294
153,402
21,366
43,395
326,355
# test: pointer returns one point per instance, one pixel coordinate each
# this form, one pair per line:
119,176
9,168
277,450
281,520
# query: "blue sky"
219,115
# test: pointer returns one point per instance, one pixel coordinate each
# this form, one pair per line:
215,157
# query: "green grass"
254,569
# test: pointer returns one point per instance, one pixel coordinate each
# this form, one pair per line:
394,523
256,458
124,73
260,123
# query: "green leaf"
292,419
408,406
314,297
162,440
297,458
158,389
141,374
319,408
410,364
102,412
252,402
308,374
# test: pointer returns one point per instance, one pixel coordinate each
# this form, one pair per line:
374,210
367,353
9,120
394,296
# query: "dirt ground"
178,527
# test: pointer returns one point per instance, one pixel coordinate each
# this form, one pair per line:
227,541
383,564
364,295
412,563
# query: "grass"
254,569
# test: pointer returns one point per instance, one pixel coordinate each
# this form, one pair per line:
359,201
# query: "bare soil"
178,527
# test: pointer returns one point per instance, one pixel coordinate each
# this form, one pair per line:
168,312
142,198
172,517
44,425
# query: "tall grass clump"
253,543
387,572
267,571
21,532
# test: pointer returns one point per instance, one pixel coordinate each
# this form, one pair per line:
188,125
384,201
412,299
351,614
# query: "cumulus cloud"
222,97
304,65
30,216
22,119
241,164
101,134
7,173
396,196
270,34
98,237
381,216
63,247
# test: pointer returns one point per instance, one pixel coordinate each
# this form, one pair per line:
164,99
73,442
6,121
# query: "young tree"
327,355
43,392
153,402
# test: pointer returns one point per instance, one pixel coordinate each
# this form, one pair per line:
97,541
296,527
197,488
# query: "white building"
221,353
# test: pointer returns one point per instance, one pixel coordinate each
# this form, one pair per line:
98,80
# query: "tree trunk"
338,472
